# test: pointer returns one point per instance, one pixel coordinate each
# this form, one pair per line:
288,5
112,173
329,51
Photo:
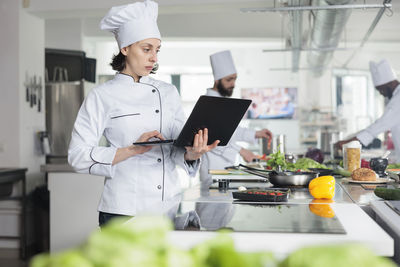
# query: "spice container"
266,146
352,156
281,143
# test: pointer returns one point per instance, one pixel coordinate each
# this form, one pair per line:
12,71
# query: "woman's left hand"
264,133
199,146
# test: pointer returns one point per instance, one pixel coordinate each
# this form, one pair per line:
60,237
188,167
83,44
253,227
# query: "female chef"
133,107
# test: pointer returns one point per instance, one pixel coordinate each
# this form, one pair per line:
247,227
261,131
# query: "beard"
386,91
389,93
222,90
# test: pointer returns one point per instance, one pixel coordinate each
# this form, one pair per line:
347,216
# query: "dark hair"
118,62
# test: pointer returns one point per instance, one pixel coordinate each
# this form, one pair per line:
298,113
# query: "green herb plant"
277,160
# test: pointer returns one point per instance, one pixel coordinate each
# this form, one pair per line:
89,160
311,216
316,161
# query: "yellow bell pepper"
322,187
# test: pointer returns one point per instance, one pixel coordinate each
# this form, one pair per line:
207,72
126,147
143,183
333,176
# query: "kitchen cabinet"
13,207
74,199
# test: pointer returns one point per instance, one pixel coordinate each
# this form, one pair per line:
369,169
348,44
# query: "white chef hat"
381,72
222,64
133,22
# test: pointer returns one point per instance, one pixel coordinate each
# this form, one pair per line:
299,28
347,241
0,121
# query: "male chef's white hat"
222,64
133,22
381,72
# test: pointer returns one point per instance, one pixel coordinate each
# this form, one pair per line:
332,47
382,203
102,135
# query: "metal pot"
327,139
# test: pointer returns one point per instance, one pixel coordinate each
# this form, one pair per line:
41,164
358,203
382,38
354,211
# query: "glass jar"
352,156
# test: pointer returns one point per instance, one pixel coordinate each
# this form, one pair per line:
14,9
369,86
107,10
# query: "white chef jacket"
223,156
122,110
390,120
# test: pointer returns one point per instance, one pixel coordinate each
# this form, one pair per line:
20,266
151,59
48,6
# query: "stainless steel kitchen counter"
389,220
344,193
202,193
56,168
279,228
360,195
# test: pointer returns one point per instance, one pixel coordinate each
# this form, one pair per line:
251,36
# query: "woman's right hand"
132,150
144,138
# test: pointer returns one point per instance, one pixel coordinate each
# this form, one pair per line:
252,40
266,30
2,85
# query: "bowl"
379,165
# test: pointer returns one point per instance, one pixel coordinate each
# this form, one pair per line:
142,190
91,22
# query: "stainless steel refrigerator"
63,100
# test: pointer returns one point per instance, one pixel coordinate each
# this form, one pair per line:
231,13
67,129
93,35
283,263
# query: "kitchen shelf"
313,122
309,140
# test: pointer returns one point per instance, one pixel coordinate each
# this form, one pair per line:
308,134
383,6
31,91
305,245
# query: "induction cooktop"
273,218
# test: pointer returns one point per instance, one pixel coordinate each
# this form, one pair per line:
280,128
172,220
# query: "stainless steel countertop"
202,193
344,193
56,168
361,196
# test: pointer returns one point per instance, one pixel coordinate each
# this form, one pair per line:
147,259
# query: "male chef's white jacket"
390,120
122,110
223,156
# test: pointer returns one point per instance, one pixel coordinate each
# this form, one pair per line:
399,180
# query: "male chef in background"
385,81
225,76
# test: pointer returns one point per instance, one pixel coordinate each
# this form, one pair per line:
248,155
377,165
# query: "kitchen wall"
22,53
63,34
31,121
9,77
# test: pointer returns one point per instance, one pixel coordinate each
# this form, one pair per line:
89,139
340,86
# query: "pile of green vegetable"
143,242
354,255
277,160
307,163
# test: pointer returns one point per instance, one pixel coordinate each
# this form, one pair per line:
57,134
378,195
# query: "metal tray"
257,195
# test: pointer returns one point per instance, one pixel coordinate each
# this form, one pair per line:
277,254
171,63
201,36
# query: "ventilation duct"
326,32
296,26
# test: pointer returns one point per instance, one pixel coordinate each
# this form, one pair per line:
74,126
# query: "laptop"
219,115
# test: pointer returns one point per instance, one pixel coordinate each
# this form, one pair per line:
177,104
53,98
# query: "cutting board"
246,177
227,172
